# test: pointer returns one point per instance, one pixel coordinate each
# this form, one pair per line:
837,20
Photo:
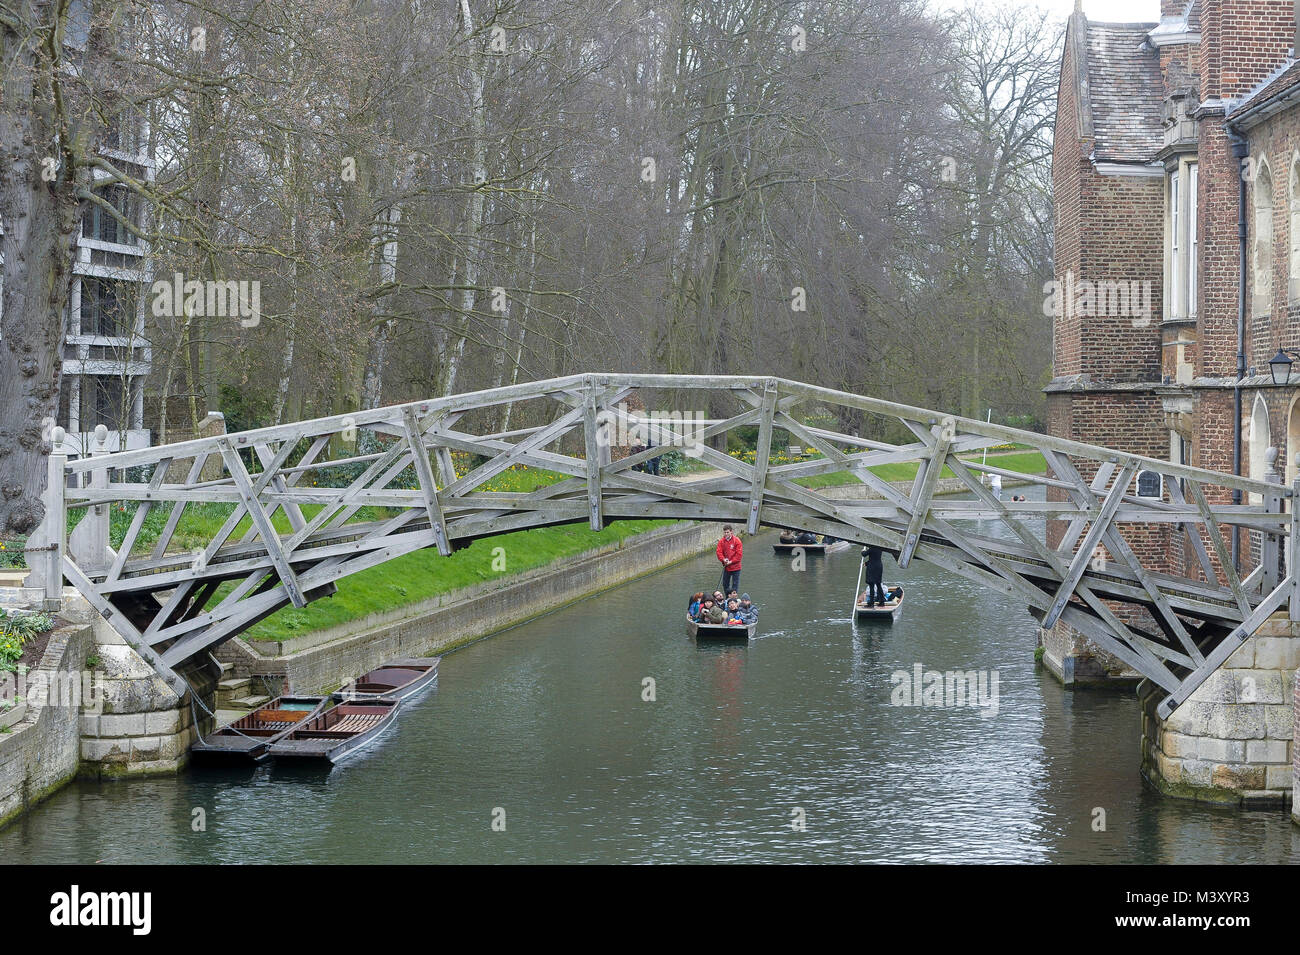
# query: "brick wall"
1250,38
1216,326
1275,145
1069,164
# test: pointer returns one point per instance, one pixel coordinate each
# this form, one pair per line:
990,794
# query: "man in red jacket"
729,552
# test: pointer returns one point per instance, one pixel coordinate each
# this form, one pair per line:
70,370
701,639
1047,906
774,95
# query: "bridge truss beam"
360,489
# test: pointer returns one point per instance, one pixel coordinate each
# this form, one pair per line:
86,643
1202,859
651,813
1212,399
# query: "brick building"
1166,134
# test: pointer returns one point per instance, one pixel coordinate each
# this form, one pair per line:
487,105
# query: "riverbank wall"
91,708
40,748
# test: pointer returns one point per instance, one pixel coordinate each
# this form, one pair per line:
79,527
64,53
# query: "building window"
1176,239
1149,483
109,403
1262,257
1293,232
1259,440
1181,243
123,132
107,307
1180,452
1192,240
99,223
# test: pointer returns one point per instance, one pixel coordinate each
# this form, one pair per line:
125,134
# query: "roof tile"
1126,93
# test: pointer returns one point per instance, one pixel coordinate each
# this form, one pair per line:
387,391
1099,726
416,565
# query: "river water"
537,745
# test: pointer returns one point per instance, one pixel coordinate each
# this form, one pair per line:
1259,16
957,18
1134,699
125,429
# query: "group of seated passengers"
891,594
805,537
735,610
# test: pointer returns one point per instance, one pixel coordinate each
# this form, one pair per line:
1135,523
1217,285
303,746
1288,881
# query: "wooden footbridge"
1091,555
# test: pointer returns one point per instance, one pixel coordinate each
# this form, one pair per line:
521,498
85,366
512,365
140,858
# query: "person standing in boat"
875,574
729,552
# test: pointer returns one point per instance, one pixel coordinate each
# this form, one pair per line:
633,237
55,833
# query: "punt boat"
395,680
247,738
782,548
720,631
887,611
337,732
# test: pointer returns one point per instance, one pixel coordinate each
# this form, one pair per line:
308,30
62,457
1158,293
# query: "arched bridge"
1100,569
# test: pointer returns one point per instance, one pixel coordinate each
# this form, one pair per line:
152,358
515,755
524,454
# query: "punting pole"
862,566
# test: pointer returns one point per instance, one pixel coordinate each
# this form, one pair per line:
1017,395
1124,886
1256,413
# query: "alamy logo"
622,428
175,297
73,908
946,688
1086,298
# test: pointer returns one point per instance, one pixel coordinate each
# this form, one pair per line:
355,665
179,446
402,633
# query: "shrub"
11,552
15,630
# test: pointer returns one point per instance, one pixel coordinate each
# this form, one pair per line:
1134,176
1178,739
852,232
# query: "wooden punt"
888,611
247,738
719,631
395,680
822,549
339,731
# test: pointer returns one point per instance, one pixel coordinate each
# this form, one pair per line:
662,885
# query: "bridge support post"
89,540
1293,542
597,455
46,545
1270,552
1232,740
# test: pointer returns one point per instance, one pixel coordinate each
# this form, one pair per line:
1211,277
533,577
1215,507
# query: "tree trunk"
40,220
474,221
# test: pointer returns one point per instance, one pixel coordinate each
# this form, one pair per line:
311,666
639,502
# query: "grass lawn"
424,574
1026,462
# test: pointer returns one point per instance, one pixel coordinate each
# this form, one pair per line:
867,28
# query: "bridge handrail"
385,415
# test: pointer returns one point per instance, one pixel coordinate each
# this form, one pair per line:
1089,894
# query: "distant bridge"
172,607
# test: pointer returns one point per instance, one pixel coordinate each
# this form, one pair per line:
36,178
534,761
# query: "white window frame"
1182,244
1262,246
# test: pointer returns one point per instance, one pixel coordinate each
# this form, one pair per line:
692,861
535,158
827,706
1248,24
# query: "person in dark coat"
875,573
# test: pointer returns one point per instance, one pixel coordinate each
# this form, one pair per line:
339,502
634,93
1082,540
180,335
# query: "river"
537,745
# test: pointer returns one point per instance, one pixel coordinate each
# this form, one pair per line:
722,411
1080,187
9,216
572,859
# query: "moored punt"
720,631
338,731
887,611
248,737
783,548
395,680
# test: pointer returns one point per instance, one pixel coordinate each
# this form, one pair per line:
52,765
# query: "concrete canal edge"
91,709
39,754
326,659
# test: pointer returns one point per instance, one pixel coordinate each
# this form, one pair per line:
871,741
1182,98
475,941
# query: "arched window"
1262,259
1259,442
1293,231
